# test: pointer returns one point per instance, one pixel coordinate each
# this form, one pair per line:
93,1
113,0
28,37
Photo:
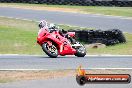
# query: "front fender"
54,40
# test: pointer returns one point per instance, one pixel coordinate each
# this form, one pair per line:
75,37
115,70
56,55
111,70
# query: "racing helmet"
42,24
53,26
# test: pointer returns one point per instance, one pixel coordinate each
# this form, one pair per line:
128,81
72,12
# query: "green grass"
19,37
118,49
117,11
5,80
15,40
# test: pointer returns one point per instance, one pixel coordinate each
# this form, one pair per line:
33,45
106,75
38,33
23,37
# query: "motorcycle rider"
52,27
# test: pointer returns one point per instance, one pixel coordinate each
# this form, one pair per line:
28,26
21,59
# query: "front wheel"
50,49
81,51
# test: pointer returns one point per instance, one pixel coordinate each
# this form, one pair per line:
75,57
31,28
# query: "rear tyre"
121,38
51,51
118,34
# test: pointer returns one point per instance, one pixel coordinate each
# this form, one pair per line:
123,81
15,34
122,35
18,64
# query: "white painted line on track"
65,69
18,18
23,69
103,55
18,55
108,68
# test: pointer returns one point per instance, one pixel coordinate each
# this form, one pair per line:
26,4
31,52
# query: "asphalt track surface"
67,82
75,19
67,62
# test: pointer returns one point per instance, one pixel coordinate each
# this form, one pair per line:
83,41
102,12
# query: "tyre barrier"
120,3
107,37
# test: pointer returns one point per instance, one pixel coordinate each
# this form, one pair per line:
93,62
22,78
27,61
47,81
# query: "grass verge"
116,11
118,49
19,37
15,75
5,80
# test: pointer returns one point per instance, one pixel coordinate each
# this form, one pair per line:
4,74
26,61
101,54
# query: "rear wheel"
50,50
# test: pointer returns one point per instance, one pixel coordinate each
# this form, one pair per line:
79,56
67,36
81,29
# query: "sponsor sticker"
83,78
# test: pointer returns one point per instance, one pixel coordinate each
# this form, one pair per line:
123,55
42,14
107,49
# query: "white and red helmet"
42,24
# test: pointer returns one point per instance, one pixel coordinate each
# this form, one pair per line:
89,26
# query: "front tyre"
81,51
50,50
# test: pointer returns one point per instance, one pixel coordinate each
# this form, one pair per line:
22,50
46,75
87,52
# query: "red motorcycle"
54,44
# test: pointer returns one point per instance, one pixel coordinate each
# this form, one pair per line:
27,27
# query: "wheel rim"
52,49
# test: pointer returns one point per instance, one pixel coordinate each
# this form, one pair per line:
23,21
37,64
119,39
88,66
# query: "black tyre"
81,80
51,51
81,51
119,35
121,38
